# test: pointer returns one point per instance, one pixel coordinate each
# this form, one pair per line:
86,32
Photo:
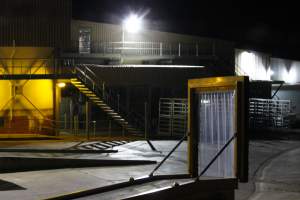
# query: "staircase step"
122,121
100,104
91,95
84,89
98,101
79,86
76,82
95,98
131,128
105,107
113,113
87,92
116,117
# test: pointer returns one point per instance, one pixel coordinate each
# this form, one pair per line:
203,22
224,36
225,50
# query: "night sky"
272,27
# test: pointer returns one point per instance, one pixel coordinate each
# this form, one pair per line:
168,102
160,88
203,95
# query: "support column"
128,90
56,107
87,118
71,115
149,109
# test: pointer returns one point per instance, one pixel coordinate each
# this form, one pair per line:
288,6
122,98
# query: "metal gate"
269,113
172,116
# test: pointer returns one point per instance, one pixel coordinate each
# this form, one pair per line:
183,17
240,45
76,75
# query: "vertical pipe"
74,125
65,121
146,114
118,96
71,116
225,113
179,49
94,123
160,49
103,90
211,133
87,112
85,74
218,129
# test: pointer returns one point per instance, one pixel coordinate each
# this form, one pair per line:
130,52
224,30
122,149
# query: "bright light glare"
248,64
133,24
290,76
61,85
270,73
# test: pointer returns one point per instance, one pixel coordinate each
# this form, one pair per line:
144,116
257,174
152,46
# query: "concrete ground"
49,183
278,176
274,170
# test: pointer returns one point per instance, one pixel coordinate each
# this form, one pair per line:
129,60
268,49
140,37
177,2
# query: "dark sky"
273,26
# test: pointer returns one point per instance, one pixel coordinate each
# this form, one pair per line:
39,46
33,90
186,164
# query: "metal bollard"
65,121
94,123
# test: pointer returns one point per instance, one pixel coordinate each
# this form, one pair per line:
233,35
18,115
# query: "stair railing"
108,95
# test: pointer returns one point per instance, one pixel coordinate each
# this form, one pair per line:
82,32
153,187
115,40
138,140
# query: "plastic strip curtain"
216,114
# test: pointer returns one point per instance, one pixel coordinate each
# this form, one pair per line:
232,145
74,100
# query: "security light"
133,24
61,85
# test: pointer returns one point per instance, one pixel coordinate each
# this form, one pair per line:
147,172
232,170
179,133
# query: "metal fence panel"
269,113
172,116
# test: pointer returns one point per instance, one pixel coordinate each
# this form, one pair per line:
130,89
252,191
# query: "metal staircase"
94,89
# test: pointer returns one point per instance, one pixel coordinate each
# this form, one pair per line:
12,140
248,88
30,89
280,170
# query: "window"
85,40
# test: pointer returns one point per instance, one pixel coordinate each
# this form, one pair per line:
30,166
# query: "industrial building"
42,46
68,78
135,69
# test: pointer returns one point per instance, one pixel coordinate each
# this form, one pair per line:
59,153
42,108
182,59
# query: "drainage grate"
99,145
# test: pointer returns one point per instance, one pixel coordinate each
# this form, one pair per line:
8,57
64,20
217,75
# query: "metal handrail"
108,96
156,48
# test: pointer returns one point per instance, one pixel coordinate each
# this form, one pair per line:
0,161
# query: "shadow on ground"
275,134
8,186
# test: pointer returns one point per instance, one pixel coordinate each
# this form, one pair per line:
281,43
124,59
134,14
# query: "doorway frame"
240,84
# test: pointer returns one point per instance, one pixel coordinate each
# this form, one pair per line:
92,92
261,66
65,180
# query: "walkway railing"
109,96
143,48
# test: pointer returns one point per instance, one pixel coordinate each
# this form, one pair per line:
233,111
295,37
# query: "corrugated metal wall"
101,32
35,22
113,33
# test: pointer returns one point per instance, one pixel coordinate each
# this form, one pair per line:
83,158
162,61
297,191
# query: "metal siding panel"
35,28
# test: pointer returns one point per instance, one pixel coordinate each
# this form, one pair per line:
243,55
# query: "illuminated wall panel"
26,106
256,65
285,70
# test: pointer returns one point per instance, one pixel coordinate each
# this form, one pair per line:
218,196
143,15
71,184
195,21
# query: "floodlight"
133,24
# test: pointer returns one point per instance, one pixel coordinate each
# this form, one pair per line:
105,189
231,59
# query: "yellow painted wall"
4,93
36,95
25,60
26,104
